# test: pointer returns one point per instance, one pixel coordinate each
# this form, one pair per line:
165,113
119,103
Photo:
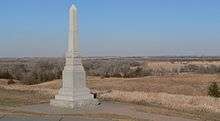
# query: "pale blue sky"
111,27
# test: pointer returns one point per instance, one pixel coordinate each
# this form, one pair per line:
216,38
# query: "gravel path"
107,111
46,118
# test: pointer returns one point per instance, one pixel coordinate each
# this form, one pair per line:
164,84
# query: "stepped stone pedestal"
74,93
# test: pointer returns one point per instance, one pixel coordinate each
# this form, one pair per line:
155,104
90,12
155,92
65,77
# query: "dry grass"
163,91
186,84
168,66
43,88
178,102
18,98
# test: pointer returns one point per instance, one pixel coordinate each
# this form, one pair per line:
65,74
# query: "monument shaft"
74,93
73,30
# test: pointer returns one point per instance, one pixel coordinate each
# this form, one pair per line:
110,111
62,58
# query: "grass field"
18,98
180,95
185,84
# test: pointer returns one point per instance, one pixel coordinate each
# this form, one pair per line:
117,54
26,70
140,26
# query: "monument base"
76,104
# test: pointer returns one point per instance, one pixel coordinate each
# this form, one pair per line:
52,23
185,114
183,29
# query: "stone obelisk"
74,93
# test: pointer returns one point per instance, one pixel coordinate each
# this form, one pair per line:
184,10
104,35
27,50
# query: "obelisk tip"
73,7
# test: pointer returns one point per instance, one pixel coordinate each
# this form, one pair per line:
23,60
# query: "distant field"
38,70
177,67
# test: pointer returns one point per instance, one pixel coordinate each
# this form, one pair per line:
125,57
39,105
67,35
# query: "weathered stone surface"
74,93
82,104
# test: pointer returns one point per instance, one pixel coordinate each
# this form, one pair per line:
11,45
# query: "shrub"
11,81
5,75
38,70
114,68
43,71
138,72
213,90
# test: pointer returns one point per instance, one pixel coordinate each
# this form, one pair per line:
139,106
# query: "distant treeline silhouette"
38,70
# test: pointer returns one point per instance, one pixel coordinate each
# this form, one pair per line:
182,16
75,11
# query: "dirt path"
108,111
